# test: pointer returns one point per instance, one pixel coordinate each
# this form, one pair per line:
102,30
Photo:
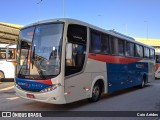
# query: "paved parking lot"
132,99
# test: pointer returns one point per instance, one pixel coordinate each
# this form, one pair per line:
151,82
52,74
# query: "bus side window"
95,42
120,47
139,51
2,53
152,54
104,44
114,45
2,56
75,49
146,52
77,56
130,49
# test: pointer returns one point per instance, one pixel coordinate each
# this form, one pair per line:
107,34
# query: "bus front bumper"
55,97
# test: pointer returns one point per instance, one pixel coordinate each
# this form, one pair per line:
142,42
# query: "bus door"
76,81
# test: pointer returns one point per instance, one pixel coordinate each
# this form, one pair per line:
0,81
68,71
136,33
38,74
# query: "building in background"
9,32
152,42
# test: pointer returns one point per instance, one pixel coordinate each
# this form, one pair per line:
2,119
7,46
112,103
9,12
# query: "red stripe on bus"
48,82
113,59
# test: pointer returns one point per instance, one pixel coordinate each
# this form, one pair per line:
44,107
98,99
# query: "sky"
135,18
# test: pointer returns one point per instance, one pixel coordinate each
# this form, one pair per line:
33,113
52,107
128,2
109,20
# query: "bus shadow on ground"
78,104
124,91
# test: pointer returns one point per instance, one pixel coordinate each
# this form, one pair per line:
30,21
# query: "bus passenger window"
95,42
129,49
139,51
146,52
104,44
2,56
120,47
152,54
2,53
114,45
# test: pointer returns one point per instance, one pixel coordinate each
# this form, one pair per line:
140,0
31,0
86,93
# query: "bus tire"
1,75
96,92
143,83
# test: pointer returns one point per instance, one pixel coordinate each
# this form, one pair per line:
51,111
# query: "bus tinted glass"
95,42
130,49
139,51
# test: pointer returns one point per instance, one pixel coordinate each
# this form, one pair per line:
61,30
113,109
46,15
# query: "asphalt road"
132,99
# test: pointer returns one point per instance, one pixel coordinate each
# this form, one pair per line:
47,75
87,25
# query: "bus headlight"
50,88
16,85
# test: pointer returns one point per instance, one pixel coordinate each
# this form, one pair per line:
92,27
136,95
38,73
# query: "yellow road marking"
8,88
12,98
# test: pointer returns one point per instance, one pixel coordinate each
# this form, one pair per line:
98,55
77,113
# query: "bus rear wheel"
96,93
1,75
143,83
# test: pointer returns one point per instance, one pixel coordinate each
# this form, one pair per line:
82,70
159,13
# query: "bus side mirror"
69,51
11,53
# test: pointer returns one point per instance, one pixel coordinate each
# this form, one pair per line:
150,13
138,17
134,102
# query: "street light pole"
38,13
146,29
63,9
100,17
126,29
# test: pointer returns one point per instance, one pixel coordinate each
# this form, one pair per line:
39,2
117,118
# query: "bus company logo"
32,85
26,84
139,66
21,83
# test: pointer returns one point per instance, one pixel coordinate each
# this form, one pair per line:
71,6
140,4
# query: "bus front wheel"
96,93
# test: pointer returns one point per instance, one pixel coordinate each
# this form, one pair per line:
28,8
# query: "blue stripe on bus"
121,76
31,85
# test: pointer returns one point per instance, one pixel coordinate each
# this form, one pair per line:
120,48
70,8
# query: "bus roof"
74,21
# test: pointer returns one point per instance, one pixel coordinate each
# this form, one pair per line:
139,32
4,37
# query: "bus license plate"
30,96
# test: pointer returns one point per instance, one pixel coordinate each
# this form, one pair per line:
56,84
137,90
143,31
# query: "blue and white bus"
60,61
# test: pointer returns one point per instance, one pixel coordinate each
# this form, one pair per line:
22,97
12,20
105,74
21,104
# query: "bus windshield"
40,51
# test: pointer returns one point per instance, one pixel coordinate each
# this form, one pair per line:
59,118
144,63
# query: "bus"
157,66
61,61
7,68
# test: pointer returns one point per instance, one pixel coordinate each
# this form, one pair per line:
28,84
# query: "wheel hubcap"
142,83
96,92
